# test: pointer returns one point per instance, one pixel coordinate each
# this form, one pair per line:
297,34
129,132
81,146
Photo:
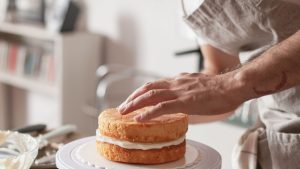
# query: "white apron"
253,26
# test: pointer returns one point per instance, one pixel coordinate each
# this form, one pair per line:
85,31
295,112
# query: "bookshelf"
27,84
27,30
59,66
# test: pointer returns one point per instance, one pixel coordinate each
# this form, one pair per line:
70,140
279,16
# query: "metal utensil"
31,128
46,157
50,159
66,129
47,150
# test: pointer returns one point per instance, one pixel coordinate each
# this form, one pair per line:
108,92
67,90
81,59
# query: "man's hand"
191,93
185,92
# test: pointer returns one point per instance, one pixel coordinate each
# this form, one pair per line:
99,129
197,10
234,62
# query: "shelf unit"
26,30
27,84
76,56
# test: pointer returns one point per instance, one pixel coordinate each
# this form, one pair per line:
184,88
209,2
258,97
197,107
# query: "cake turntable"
82,154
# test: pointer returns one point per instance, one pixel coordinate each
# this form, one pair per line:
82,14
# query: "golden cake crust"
160,129
153,156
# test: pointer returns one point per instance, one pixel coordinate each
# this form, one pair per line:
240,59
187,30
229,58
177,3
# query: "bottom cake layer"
153,156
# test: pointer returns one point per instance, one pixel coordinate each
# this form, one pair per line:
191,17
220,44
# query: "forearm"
275,70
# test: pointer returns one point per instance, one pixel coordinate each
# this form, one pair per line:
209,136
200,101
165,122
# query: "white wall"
145,34
46,111
142,33
33,108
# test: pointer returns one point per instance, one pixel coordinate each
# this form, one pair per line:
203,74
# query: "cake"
120,138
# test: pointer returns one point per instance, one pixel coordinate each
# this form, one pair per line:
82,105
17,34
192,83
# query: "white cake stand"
82,154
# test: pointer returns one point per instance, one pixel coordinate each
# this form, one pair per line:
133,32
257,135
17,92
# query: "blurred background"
63,61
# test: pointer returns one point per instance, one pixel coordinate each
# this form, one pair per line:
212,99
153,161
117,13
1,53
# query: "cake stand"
82,154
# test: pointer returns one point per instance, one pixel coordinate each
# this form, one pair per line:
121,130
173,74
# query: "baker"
265,36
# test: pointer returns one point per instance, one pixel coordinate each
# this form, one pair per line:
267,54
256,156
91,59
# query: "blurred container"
17,151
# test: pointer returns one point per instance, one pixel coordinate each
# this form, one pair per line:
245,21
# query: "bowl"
17,151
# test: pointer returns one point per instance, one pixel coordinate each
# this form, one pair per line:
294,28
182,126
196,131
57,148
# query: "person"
265,35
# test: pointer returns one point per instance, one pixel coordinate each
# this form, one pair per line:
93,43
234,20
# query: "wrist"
237,86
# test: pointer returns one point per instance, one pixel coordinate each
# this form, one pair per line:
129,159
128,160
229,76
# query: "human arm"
197,94
215,62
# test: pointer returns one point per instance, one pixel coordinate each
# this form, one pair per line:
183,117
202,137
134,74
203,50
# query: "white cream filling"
141,146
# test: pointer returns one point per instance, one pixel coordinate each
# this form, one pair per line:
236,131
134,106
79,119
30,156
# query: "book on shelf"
47,68
22,51
27,61
12,57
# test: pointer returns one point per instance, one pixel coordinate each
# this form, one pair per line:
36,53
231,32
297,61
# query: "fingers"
149,98
167,107
162,84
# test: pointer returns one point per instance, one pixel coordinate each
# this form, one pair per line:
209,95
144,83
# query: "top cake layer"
160,129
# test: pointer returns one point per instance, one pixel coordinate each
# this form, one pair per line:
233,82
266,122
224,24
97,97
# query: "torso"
247,28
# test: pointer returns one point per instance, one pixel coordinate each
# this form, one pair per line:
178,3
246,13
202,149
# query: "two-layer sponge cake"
159,140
